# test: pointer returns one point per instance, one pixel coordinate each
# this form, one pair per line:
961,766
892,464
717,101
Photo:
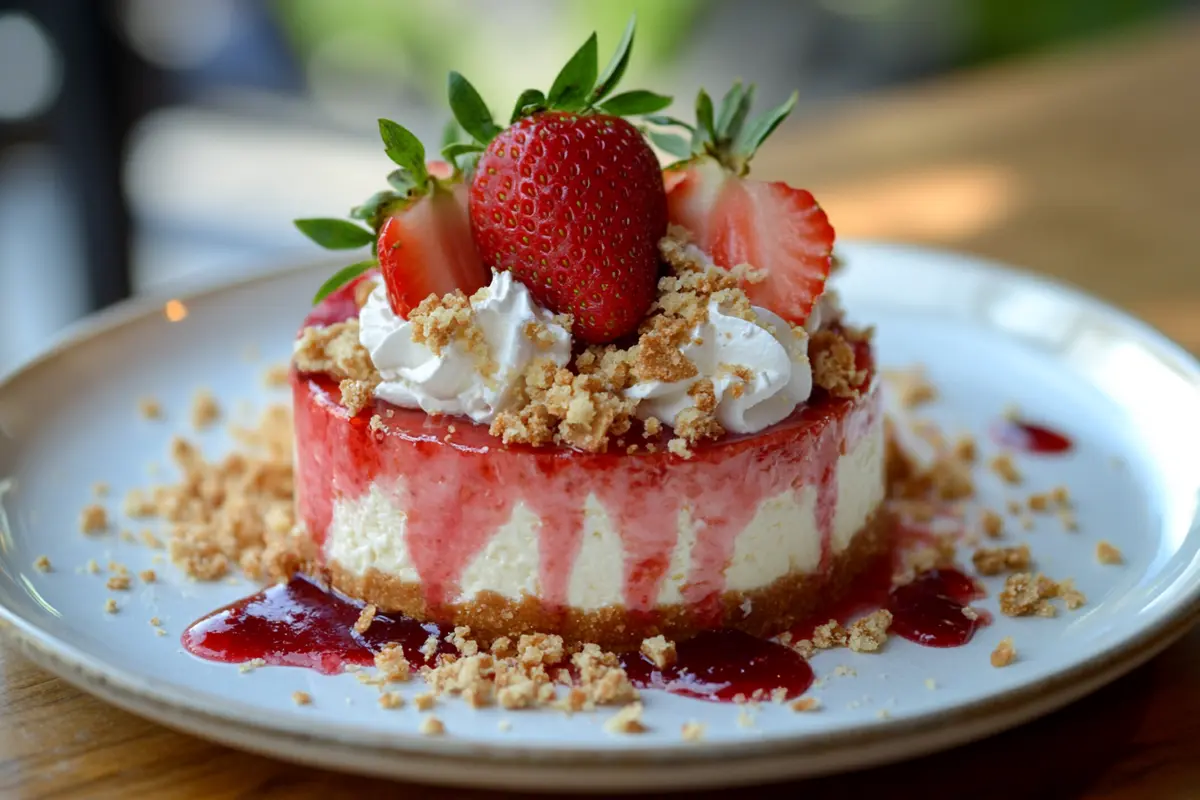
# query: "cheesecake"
572,393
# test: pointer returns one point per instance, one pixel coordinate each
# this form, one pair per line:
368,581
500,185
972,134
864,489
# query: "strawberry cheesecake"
571,392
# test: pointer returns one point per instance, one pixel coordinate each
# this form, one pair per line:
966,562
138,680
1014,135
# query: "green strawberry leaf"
670,143
368,210
451,152
451,132
341,278
529,100
615,70
470,110
704,116
572,87
669,122
639,101
762,127
335,234
404,149
403,181
735,106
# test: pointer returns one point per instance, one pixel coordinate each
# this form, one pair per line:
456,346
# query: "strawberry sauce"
300,624
720,665
1029,437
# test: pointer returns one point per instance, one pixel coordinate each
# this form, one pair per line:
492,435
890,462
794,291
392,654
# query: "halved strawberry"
418,231
426,248
778,230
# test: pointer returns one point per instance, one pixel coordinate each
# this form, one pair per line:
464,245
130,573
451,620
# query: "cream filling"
781,538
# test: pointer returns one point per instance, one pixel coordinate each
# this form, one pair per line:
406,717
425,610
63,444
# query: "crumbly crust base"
760,612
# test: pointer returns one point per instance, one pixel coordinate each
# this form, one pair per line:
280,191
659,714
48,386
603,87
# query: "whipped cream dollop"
457,381
759,370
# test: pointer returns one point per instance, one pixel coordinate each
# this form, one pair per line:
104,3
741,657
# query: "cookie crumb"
992,524
660,651
1108,554
148,576
392,664
155,621
995,560
692,731
276,377
205,410
1039,501
679,447
302,698
432,726
391,700
504,725
627,720
93,519
365,618
868,634
110,606
806,703
1024,594
101,489
150,408
118,583
1005,653
912,387
93,566
425,701
42,564
1072,598
1003,466
930,684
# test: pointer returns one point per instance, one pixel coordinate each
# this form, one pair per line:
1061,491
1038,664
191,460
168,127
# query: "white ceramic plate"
988,336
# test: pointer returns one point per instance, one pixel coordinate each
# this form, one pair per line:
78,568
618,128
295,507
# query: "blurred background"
145,141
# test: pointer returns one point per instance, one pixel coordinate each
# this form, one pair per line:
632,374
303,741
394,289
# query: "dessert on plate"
572,392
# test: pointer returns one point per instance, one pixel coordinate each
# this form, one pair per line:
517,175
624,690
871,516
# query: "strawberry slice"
776,229
426,248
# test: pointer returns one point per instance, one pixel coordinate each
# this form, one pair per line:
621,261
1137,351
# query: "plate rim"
1037,697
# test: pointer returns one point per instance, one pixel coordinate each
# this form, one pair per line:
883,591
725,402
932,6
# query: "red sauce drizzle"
720,665
1029,437
300,624
929,610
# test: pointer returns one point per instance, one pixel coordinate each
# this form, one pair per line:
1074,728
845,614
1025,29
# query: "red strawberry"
776,229
574,206
426,248
570,196
771,226
419,232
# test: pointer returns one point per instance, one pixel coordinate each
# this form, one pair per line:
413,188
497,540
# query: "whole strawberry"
570,196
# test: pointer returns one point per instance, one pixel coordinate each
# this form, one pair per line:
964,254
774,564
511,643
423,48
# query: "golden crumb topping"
1005,653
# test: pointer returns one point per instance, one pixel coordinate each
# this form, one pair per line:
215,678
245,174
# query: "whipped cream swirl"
455,381
759,371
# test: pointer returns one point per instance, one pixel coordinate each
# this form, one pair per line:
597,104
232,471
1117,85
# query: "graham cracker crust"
761,612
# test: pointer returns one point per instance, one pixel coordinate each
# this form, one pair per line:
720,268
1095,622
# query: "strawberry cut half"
426,249
778,230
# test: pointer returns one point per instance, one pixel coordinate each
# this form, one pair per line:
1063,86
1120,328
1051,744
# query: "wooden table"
1085,166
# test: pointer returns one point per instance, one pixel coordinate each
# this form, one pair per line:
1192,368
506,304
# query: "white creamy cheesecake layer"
783,537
